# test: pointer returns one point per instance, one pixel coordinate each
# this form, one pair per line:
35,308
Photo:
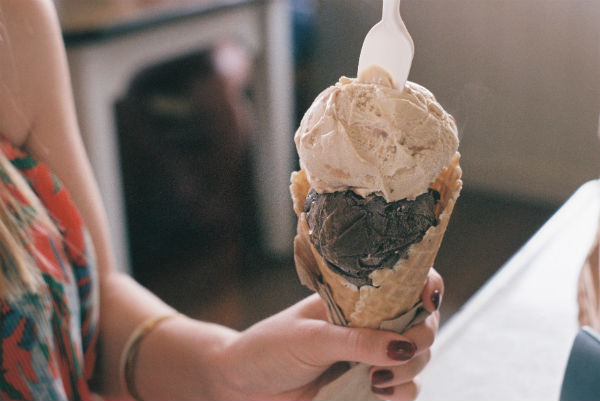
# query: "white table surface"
512,339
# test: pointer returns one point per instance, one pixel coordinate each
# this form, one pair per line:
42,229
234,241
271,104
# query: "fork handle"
391,10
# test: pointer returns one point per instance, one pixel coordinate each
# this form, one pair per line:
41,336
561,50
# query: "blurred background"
521,78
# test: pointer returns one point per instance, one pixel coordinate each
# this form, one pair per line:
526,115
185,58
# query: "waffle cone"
393,291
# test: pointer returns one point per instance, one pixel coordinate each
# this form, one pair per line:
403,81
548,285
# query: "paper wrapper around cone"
393,301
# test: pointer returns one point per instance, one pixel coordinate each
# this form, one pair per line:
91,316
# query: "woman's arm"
52,135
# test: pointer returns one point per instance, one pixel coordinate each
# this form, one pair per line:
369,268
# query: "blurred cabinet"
108,42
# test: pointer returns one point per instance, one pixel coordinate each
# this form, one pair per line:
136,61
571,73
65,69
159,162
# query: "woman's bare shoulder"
25,23
26,7
29,29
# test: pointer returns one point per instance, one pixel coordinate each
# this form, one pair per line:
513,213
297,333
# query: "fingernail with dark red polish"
436,298
401,350
383,391
382,376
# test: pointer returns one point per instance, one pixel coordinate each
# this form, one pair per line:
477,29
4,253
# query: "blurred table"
109,41
512,339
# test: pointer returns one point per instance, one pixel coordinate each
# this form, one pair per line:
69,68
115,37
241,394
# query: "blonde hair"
18,268
19,272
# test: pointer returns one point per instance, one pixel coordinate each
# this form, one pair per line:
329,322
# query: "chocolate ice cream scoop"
357,235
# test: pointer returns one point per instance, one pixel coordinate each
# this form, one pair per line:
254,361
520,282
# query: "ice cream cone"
393,291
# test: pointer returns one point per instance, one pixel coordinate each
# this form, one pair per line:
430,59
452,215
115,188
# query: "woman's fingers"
403,392
433,291
423,335
331,343
399,382
391,376
321,344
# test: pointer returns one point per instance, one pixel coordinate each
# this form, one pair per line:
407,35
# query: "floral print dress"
48,336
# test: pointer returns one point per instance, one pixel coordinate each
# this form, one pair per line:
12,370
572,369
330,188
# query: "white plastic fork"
388,45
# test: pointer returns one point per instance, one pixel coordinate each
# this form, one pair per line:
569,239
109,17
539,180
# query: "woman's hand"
398,382
292,354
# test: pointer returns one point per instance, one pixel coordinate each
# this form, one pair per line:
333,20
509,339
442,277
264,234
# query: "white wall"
522,78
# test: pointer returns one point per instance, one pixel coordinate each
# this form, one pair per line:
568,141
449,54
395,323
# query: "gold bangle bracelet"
130,352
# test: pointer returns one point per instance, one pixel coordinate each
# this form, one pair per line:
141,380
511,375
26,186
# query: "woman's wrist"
181,359
229,382
130,352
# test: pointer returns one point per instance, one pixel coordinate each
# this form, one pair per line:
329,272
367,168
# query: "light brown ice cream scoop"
372,138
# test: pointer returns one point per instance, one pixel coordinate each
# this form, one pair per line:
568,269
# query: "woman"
69,318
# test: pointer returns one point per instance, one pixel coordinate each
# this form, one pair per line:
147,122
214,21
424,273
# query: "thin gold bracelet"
130,352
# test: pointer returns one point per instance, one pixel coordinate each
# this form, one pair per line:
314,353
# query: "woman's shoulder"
27,27
31,35
26,15
26,6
